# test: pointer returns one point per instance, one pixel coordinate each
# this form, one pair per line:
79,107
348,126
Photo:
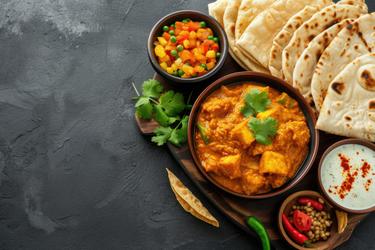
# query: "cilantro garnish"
162,135
179,133
165,109
152,88
255,101
263,130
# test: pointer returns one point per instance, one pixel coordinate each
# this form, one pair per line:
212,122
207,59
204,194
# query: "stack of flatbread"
324,49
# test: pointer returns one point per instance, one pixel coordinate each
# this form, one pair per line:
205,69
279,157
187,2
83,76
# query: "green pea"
186,20
165,28
216,40
210,37
202,24
203,65
173,25
171,32
174,53
173,39
180,47
218,54
180,72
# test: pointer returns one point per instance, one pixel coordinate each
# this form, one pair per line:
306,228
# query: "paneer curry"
250,138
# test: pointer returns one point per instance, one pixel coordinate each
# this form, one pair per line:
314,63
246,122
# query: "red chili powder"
366,168
368,184
347,185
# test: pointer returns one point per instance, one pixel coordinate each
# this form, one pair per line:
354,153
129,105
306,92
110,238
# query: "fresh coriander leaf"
141,101
203,132
162,135
152,88
263,130
173,103
144,111
247,110
179,134
255,101
160,116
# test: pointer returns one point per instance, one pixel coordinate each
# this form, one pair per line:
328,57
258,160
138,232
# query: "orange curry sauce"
233,157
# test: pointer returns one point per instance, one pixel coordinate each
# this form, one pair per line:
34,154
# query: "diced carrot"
185,55
166,36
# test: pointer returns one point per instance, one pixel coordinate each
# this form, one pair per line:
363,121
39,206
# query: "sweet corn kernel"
187,69
211,54
174,67
162,41
159,51
165,59
192,35
170,70
178,62
186,44
164,65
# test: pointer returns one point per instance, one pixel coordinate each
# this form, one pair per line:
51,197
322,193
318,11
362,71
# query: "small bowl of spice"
347,175
307,221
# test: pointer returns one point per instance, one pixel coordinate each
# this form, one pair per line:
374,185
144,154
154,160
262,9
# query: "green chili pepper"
258,227
203,133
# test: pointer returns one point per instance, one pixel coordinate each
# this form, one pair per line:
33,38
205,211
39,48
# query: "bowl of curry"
252,135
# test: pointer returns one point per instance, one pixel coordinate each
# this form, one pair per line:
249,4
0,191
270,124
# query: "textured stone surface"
74,171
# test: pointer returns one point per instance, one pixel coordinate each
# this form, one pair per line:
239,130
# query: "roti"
306,64
248,10
189,202
230,18
256,41
283,37
217,9
349,107
309,30
351,42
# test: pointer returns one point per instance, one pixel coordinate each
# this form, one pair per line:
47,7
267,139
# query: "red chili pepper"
292,232
315,204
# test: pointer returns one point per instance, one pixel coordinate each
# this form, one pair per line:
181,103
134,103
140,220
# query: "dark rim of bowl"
332,147
262,79
212,23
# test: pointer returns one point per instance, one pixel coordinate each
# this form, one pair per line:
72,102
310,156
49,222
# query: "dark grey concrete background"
74,171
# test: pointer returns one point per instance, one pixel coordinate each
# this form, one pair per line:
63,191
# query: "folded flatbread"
306,64
230,18
248,10
283,37
351,42
349,106
217,9
257,39
189,202
319,22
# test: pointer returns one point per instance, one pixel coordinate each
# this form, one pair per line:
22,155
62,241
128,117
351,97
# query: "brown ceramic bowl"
275,83
332,147
286,207
195,16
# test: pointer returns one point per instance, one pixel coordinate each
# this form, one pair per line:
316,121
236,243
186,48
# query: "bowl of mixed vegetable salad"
187,46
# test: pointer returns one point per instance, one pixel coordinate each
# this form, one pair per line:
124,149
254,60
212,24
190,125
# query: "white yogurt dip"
347,176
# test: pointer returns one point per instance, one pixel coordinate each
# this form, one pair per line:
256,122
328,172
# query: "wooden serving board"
235,208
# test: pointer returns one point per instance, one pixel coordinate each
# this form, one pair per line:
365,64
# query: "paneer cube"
242,133
230,166
252,182
272,112
273,163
